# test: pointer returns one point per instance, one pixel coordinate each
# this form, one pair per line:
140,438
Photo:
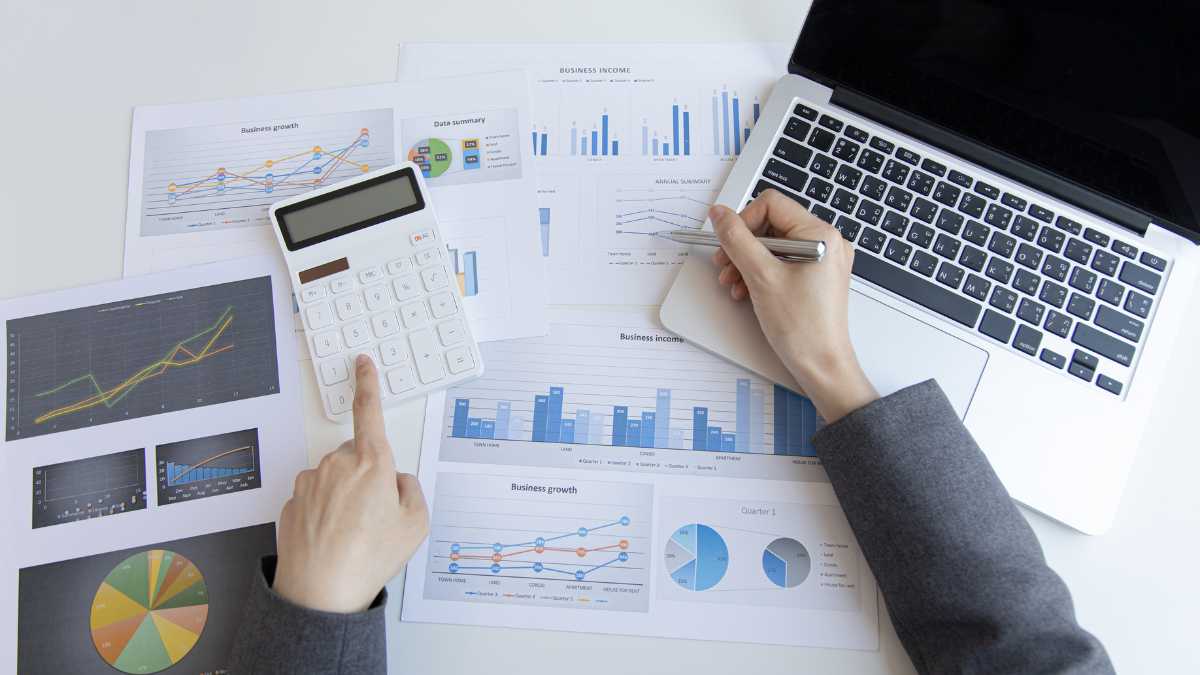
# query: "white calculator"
369,269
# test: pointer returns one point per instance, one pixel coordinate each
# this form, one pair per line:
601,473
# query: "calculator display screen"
349,209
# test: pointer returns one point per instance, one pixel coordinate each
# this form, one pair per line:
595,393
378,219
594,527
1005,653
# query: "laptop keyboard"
1058,291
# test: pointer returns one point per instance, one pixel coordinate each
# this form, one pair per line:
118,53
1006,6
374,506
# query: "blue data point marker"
624,520
582,532
495,568
623,556
316,169
497,547
579,575
540,541
537,567
455,548
453,567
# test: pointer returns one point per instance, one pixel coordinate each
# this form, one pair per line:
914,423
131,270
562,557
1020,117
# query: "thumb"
751,258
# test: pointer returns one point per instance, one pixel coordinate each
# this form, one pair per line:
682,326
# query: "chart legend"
208,466
93,487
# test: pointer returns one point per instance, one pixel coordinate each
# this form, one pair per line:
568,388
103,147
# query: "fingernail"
716,213
361,361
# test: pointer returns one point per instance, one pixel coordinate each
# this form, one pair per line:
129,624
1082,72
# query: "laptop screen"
1106,95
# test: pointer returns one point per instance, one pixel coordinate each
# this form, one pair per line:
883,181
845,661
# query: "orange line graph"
201,463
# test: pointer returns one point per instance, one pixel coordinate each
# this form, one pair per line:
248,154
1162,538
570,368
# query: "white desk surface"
70,74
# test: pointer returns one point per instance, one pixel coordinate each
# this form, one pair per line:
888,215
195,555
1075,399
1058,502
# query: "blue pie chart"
786,562
696,557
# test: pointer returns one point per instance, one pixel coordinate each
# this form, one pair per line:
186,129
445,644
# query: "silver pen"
791,250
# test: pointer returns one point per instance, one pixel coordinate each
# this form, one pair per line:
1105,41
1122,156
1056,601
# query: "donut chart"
149,612
696,557
786,562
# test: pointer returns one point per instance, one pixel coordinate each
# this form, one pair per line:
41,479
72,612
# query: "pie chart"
149,612
696,557
786,562
432,155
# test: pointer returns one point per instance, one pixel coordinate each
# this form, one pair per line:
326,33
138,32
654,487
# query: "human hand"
353,521
802,307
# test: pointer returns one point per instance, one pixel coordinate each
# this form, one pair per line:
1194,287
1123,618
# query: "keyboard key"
347,306
370,275
950,274
764,185
400,380
443,305
1024,228
883,146
921,182
1003,299
845,149
925,293
1081,306
434,278
793,152
1096,237
976,232
898,198
312,293
996,325
341,284
972,205
946,194
318,316
857,134
869,212
1067,225
1079,251
972,258
1055,268
377,297
1153,262
1051,239
1000,270
848,176
923,210
1136,303
406,287
823,165
334,370
1053,294
325,344
920,235
1140,278
451,332
977,287
830,123
873,187
1110,292
805,112
1081,371
797,128
1125,326
1102,343
824,213
1127,250
1027,282
427,257
426,356
1041,213
414,314
895,172
384,324
848,227
996,215
1058,323
1027,340
1105,262
872,240
871,161
821,139
895,223
923,262
392,352
897,251
946,246
1053,358
1083,280
785,174
987,190
1108,384
933,167
356,333
844,200
1086,359
1030,311
818,189
908,156
1012,201
340,398
401,266
960,178
460,359
1029,256
951,222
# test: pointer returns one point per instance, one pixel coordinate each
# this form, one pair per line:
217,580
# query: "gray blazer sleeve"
961,572
277,636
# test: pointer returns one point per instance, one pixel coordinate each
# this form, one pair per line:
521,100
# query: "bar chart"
208,466
466,270
732,121
600,141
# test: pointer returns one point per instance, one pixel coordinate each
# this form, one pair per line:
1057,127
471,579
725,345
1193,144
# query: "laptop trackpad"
897,350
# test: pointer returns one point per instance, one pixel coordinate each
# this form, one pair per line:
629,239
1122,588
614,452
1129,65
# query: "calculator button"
334,370
451,332
312,293
341,285
377,297
422,237
348,306
443,305
355,334
434,278
319,316
401,379
384,324
340,398
426,356
427,257
325,344
393,352
414,315
400,266
407,288
370,275
460,359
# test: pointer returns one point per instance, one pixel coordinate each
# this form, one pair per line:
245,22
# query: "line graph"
208,466
227,175
92,487
142,356
535,541
649,214
630,211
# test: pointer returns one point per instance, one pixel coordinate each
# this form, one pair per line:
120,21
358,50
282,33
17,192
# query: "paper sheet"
149,444
202,176
628,140
609,477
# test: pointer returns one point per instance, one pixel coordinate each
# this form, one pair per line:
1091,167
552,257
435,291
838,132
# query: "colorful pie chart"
149,612
696,557
432,155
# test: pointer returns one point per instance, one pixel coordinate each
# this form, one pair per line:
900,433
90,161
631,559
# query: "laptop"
1021,183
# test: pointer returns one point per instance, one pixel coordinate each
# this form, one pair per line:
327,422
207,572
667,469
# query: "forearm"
277,636
962,574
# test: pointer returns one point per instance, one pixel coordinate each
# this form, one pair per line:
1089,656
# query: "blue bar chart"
466,270
731,125
676,141
208,466
541,142
603,143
